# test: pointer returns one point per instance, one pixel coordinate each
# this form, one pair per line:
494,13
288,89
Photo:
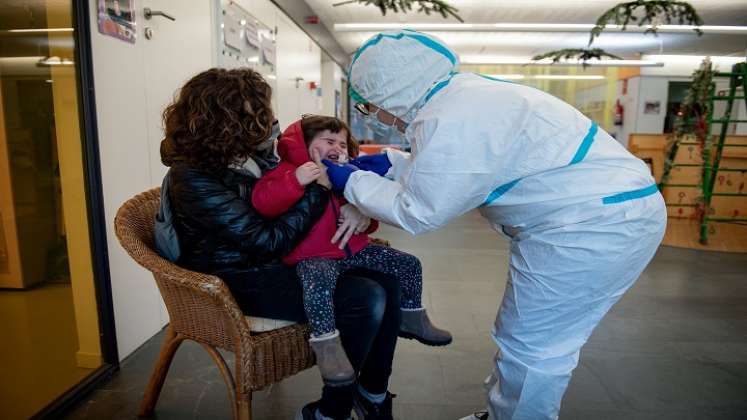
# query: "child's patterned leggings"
319,278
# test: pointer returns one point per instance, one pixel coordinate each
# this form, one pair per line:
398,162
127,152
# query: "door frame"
96,218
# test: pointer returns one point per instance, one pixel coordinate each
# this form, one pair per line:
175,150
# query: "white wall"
265,12
629,101
298,57
125,171
132,85
643,89
299,65
331,82
682,67
651,90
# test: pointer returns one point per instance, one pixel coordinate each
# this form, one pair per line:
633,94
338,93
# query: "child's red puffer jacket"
279,189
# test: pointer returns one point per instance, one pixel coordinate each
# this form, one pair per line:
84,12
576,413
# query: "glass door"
48,305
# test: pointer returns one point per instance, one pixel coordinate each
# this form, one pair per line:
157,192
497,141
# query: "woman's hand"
351,221
323,179
308,173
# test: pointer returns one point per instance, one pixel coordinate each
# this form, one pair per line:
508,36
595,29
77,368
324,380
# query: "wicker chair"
202,309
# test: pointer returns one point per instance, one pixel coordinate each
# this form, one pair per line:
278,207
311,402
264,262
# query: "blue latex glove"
338,174
378,164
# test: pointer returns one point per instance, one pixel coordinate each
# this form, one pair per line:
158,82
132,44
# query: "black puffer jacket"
219,230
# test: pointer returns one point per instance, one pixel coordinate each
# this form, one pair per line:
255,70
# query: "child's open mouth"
334,157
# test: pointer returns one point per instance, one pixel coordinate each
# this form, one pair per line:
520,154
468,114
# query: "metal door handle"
148,13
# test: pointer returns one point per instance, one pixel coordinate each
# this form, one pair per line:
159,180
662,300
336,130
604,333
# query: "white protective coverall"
584,215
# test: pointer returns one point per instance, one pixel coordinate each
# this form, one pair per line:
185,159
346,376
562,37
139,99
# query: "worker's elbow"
420,225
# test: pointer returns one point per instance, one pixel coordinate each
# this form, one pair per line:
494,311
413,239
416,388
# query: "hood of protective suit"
395,71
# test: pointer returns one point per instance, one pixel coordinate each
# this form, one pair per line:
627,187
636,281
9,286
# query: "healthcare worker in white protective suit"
584,215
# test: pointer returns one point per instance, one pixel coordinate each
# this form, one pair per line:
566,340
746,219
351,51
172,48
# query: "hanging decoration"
654,13
424,6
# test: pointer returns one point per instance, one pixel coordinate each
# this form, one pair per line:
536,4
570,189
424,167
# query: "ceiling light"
523,61
39,30
697,58
530,27
711,29
55,61
688,63
568,77
470,27
507,76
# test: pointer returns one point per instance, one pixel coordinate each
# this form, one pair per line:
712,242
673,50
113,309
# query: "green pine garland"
424,6
694,111
656,12
582,54
692,117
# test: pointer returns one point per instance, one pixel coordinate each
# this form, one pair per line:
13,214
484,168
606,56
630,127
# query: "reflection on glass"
47,301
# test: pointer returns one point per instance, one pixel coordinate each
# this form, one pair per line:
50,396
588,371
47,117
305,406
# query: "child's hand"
307,173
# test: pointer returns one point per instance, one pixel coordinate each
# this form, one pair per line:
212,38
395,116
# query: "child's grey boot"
416,325
333,363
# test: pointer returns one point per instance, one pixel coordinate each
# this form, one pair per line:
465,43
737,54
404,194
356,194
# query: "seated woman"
218,141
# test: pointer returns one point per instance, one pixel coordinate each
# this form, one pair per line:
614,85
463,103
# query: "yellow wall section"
628,72
10,271
610,96
74,202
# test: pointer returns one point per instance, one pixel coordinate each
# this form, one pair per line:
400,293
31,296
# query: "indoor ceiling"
527,44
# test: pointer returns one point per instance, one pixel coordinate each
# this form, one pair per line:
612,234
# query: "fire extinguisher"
619,112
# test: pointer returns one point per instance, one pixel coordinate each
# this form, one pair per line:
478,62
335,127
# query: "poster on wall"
232,33
267,44
252,33
117,19
244,41
652,107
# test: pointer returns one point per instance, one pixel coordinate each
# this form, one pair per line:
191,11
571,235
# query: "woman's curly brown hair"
217,119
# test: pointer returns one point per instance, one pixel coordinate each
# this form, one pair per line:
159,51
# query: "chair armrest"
201,307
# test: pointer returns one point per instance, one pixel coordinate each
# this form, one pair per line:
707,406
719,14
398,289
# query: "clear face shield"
382,130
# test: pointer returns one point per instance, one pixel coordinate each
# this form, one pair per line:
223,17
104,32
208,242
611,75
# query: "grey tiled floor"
675,347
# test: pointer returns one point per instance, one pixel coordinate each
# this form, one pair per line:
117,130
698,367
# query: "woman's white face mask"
272,139
266,155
